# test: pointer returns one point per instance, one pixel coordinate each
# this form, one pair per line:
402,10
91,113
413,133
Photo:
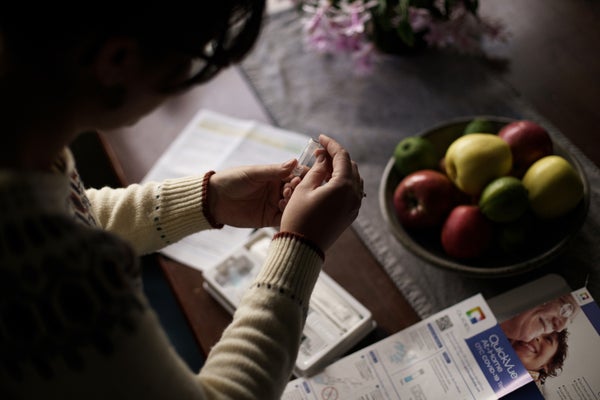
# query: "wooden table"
570,102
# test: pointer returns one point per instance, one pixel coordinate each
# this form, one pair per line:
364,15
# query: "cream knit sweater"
75,325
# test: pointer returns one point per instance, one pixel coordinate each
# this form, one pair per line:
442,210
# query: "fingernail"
288,163
321,158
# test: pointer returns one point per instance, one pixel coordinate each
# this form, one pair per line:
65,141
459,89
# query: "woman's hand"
249,196
327,199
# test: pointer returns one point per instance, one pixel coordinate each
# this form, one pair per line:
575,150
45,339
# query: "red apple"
466,233
528,143
423,199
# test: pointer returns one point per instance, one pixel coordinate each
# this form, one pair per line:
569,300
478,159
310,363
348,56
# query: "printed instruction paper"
429,360
547,350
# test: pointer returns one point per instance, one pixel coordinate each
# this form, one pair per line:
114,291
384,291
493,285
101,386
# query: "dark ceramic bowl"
550,238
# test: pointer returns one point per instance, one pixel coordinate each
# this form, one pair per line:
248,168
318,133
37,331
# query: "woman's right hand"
327,199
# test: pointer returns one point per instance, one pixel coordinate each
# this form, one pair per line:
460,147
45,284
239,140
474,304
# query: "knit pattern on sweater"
65,284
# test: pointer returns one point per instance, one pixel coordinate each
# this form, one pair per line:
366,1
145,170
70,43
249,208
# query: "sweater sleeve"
85,332
256,354
153,215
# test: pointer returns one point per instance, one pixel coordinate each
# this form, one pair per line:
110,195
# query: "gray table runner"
313,94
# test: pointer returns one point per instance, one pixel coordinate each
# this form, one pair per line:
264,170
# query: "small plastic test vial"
307,157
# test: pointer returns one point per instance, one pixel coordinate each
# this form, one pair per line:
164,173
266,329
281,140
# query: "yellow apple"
554,187
474,160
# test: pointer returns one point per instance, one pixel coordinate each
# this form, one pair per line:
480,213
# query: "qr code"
444,323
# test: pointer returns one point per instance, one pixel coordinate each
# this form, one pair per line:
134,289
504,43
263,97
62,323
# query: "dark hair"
554,366
220,31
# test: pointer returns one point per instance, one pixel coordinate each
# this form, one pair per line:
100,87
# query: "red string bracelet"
205,202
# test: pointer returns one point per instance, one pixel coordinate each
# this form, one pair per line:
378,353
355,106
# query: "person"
544,355
74,322
551,316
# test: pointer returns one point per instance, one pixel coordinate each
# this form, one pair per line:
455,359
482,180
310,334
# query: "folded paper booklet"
549,350
336,321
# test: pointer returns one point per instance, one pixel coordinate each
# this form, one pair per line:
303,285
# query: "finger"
287,168
302,170
294,182
317,174
340,158
282,203
288,187
263,173
358,182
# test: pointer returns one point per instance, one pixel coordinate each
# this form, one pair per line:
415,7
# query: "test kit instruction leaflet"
462,353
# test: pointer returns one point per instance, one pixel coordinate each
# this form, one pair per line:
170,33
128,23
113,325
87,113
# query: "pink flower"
340,29
419,19
462,30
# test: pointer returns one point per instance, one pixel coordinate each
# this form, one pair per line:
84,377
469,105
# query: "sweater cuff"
178,211
304,240
292,267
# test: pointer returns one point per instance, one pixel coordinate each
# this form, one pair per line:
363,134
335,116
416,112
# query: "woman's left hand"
249,196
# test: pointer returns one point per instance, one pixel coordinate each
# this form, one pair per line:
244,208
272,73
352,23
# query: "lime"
415,153
479,125
504,199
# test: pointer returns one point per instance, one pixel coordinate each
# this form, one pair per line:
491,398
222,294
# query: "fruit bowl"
550,239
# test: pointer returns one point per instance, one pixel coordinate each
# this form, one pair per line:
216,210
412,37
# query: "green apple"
554,187
474,160
415,153
479,125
